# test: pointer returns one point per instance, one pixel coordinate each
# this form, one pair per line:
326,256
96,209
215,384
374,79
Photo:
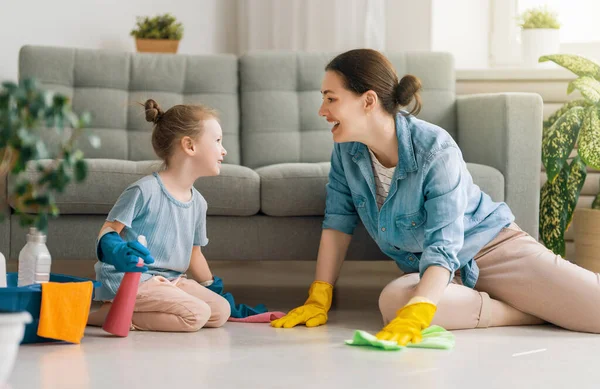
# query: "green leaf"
95,141
85,120
562,110
553,209
588,86
42,222
560,139
589,138
579,65
575,181
80,170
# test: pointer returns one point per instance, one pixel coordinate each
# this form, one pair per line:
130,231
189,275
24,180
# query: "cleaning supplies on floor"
65,309
34,260
237,310
266,317
2,271
434,337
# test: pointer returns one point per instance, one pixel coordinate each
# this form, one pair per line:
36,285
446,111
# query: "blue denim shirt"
434,214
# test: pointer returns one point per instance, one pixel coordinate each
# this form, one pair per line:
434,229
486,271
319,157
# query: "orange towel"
65,309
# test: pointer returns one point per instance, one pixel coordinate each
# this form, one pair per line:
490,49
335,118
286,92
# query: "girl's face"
209,150
344,110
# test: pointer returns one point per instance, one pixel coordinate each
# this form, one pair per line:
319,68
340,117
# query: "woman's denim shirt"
434,214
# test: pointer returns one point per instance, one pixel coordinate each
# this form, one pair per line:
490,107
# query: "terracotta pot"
587,238
157,45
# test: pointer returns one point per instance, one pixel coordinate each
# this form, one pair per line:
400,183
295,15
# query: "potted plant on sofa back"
160,34
539,35
577,123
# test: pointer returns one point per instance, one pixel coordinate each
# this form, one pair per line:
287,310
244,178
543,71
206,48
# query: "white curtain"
310,25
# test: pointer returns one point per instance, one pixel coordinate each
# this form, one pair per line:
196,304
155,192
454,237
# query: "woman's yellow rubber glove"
409,322
314,311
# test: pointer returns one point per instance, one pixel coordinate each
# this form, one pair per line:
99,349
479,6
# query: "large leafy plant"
26,112
538,18
158,27
577,123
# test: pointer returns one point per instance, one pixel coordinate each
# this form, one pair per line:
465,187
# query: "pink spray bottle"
118,320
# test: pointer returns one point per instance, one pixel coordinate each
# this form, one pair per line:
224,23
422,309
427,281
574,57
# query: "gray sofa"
268,202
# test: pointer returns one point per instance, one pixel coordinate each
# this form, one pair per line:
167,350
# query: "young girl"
468,264
171,214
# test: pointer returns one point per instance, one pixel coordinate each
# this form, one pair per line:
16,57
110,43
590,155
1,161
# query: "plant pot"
157,45
587,241
12,327
536,42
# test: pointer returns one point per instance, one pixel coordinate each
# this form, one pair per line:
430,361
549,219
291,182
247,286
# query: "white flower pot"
12,327
536,42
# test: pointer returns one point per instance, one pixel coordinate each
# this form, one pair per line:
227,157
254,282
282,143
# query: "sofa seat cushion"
235,192
298,189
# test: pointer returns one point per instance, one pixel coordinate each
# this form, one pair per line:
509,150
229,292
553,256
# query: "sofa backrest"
280,98
109,85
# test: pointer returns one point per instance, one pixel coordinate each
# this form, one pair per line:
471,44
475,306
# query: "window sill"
521,74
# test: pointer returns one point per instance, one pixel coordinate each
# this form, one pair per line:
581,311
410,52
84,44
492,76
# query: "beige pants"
520,282
180,305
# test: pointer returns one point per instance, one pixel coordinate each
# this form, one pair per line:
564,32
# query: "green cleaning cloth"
434,337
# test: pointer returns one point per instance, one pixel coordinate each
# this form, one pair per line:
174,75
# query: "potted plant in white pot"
26,112
540,35
575,126
160,34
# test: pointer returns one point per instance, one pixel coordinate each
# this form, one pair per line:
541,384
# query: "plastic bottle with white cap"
34,260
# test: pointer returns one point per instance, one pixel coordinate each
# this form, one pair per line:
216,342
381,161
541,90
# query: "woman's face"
343,109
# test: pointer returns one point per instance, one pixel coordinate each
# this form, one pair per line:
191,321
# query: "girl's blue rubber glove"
238,311
124,256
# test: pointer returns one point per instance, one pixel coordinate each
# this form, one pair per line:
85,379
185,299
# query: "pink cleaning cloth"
266,317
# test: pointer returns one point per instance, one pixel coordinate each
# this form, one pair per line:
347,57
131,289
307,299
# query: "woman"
467,264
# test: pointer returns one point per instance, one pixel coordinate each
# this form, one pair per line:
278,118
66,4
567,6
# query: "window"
578,18
578,33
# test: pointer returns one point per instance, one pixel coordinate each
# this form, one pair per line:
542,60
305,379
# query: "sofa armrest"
504,130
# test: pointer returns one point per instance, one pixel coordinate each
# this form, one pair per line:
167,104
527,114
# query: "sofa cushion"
293,189
298,189
109,84
235,192
291,81
489,179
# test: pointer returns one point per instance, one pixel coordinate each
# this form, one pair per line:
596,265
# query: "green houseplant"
540,35
577,123
160,34
535,18
27,112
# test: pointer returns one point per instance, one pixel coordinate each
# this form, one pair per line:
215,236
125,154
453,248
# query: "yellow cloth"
65,309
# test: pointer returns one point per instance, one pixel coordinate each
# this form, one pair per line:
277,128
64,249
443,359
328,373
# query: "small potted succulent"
160,34
540,35
570,146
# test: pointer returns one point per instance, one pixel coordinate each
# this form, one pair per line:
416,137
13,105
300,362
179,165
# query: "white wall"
408,25
210,25
460,27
